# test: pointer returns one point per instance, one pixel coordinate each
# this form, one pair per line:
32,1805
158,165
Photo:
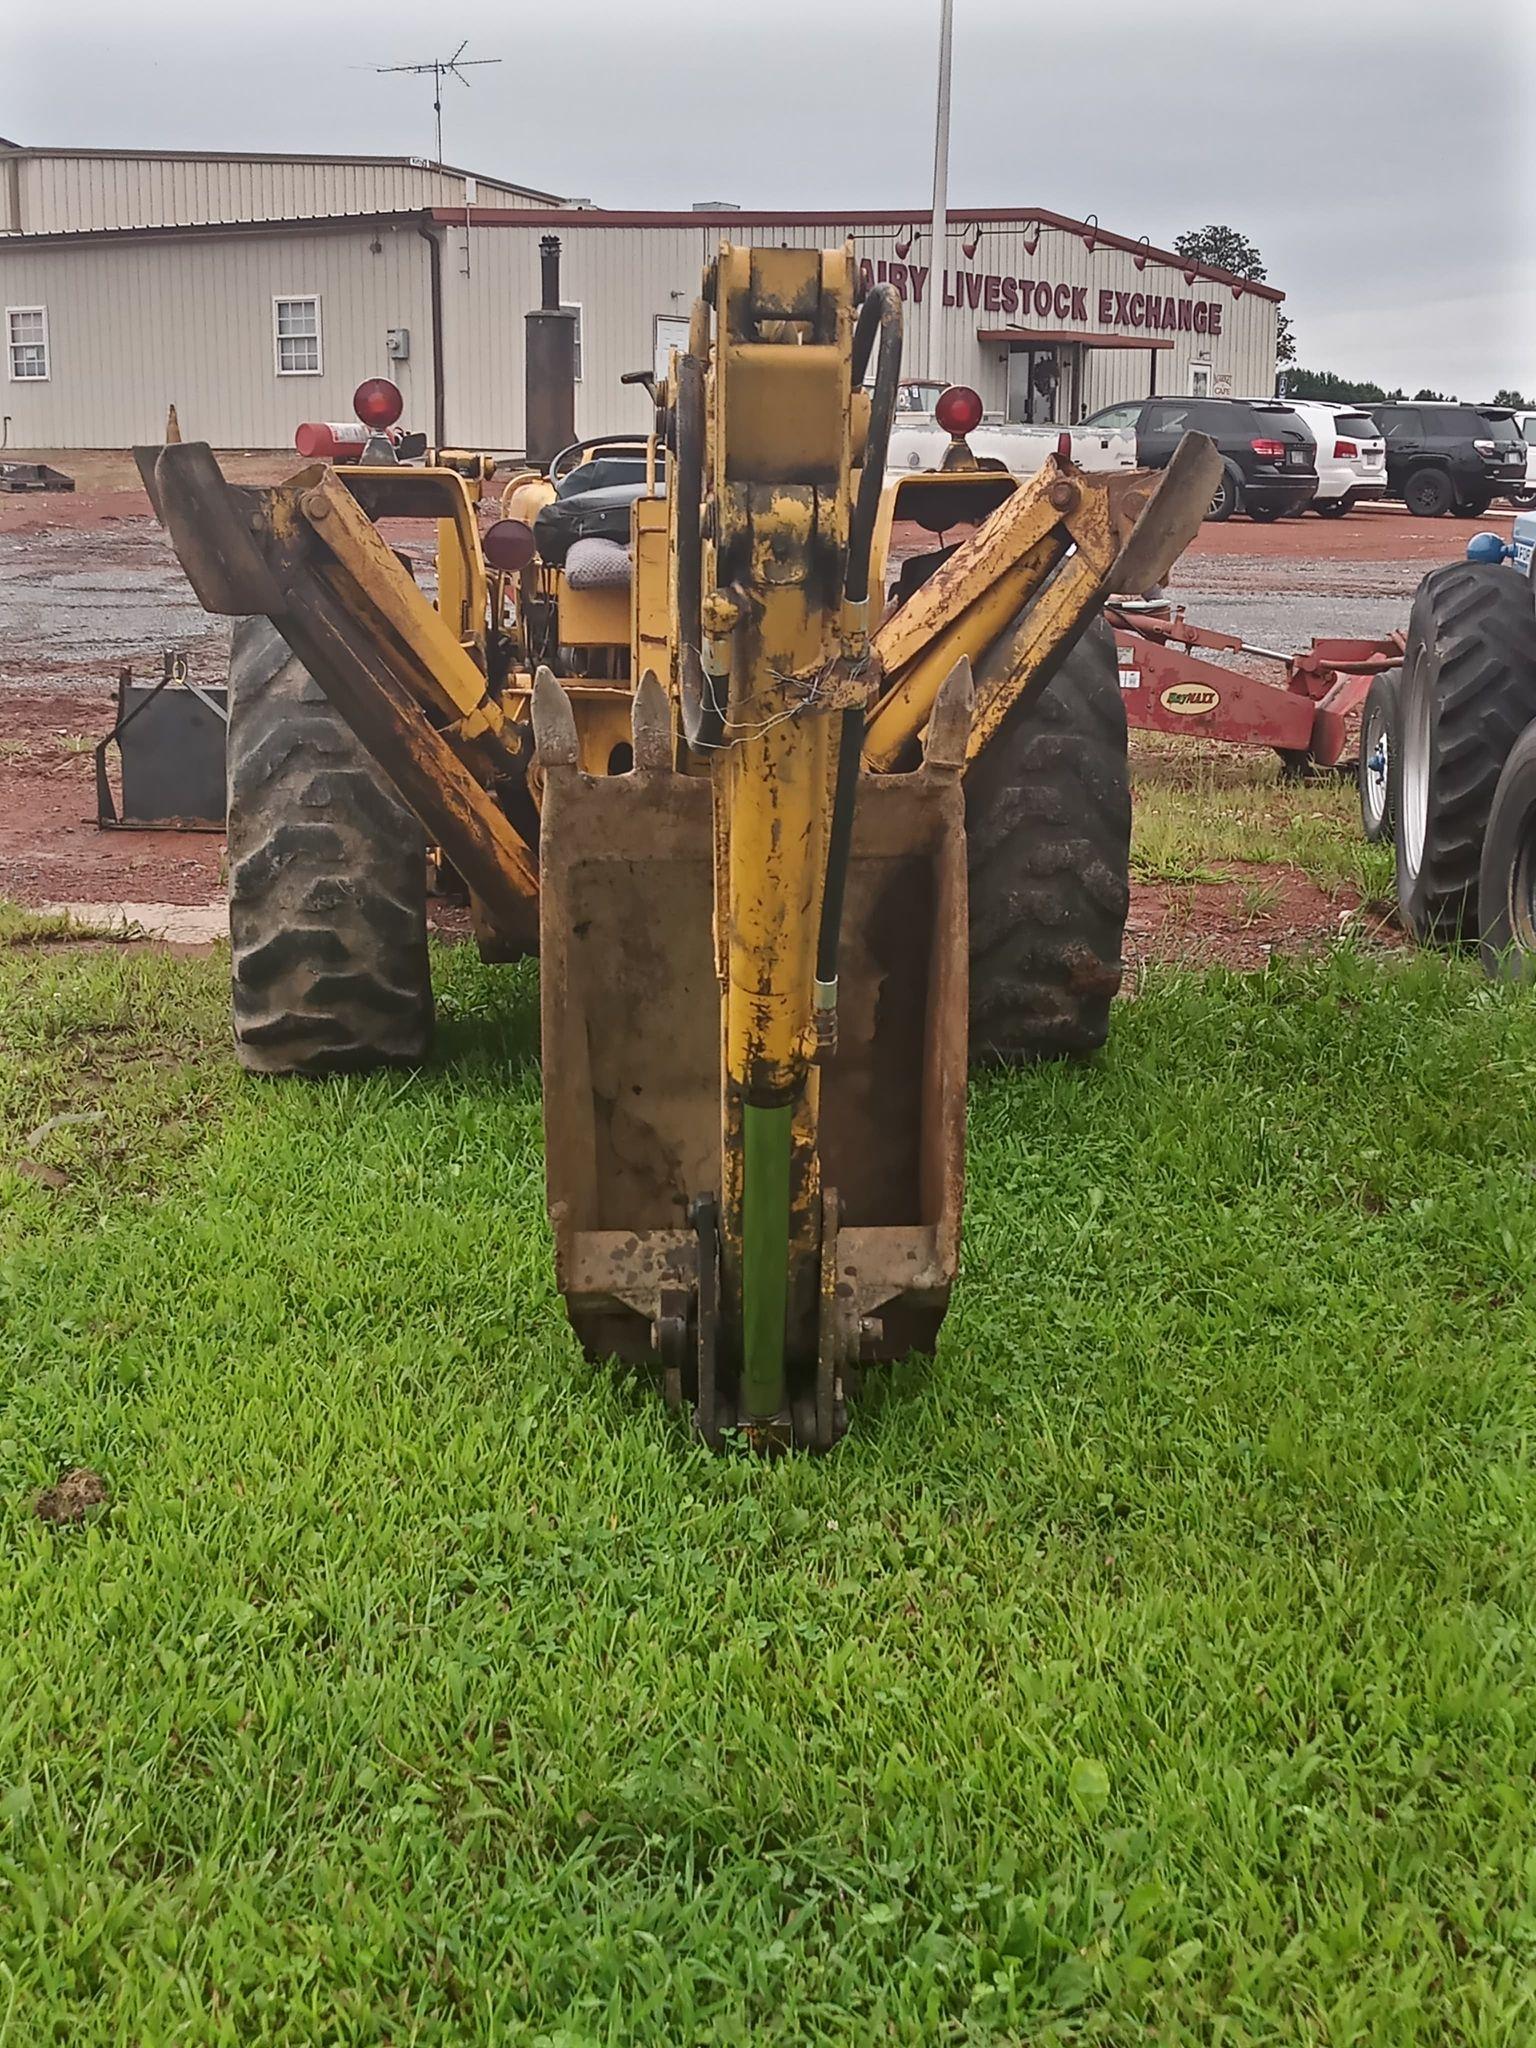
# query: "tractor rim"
1377,766
1522,887
1413,778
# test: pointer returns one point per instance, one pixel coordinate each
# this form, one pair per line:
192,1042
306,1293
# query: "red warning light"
959,410
377,402
509,545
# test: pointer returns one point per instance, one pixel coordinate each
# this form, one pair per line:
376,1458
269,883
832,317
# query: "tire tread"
1474,625
327,881
1048,818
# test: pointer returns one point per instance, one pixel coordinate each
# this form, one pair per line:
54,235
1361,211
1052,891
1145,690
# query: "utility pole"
940,196
441,68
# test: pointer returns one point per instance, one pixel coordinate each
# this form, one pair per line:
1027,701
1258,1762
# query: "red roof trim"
1030,335
598,217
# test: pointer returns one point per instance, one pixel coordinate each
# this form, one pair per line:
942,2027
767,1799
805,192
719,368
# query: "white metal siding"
61,194
623,277
136,324
134,327
620,277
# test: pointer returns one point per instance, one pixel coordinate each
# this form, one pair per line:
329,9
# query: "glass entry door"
1045,383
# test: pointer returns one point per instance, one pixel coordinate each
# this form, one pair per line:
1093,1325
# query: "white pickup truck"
919,439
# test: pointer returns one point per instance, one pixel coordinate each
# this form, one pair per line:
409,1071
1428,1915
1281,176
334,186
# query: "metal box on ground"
170,740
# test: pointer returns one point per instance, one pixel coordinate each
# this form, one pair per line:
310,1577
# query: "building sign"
1039,298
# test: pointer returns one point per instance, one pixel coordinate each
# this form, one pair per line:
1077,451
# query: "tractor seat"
601,514
597,564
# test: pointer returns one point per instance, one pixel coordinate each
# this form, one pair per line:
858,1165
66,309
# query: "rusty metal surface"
209,524
1166,690
1302,710
1165,518
384,594
1127,531
1018,593
630,1017
630,1021
254,550
986,554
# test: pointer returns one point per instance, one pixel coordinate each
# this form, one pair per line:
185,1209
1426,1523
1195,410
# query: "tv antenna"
441,68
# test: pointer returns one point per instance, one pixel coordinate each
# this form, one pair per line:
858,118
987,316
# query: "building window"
577,311
296,336
26,335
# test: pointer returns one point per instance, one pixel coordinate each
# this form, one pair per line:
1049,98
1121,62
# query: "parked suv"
1267,454
1351,455
1449,458
1526,494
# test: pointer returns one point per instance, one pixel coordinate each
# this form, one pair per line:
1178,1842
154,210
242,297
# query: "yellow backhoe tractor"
797,831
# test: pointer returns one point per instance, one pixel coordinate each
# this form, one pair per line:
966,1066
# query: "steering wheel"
572,457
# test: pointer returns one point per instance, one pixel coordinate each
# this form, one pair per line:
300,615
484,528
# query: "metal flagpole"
935,365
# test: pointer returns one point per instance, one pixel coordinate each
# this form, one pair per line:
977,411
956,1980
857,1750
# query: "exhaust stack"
549,365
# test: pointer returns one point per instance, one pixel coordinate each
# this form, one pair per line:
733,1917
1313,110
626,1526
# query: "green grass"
20,927
1198,809
1156,1666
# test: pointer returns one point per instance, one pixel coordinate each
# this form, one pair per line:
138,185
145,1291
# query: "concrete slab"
179,924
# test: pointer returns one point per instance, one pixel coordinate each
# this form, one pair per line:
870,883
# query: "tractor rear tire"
327,881
1048,819
1468,691
1506,899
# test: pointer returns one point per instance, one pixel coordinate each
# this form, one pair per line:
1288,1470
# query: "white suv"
1351,454
1526,422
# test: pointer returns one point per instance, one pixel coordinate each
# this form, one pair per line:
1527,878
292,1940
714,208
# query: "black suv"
1449,458
1270,459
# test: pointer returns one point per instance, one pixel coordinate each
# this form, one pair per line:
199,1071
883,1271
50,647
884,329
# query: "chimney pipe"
549,272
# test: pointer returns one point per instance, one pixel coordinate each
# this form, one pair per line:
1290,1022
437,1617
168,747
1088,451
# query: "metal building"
256,292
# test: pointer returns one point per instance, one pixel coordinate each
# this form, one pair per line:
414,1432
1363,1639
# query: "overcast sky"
1375,150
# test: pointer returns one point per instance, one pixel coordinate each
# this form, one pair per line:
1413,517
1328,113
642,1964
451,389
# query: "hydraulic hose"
880,315
703,718
850,752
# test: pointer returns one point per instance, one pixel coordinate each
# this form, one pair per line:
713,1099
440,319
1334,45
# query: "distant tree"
1327,384
1225,249
1438,397
1513,400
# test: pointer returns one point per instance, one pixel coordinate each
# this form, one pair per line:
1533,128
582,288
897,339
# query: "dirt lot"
88,584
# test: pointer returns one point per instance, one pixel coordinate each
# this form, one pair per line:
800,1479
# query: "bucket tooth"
949,723
554,723
651,723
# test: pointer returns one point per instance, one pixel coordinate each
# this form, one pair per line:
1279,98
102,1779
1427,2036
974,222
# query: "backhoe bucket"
632,1065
